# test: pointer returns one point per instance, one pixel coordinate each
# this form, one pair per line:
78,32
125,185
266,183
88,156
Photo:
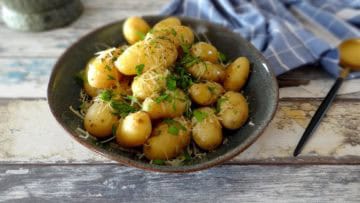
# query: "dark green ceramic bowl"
261,90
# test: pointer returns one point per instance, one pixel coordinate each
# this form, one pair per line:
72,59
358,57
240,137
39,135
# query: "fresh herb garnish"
141,35
106,95
183,78
107,67
110,77
219,102
139,69
171,82
222,57
122,108
173,130
133,100
174,126
173,32
163,97
158,162
189,60
199,115
185,48
211,89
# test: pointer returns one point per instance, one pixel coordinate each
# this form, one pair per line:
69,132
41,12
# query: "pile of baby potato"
163,90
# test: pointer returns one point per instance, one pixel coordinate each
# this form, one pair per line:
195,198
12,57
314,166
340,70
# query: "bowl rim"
165,169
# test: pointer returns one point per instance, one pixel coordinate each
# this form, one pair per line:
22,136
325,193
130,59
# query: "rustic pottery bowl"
261,90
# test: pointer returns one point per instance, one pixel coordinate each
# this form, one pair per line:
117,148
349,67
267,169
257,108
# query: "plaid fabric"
273,27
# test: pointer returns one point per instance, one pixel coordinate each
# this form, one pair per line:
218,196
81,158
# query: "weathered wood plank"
26,125
53,43
28,77
112,183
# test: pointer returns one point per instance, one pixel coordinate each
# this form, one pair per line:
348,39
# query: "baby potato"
123,87
149,83
134,29
205,51
206,130
169,104
177,34
233,110
101,71
99,119
205,93
168,139
134,129
156,53
207,71
167,22
92,91
236,74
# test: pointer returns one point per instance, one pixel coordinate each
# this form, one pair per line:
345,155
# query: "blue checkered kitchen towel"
277,29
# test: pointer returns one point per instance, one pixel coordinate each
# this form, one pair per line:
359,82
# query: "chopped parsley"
173,32
107,67
106,95
110,77
122,108
183,78
199,115
185,48
139,69
171,82
173,130
189,60
141,35
158,162
219,102
163,97
133,100
222,57
211,89
174,127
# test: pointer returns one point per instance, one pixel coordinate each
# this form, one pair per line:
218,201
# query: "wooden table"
39,162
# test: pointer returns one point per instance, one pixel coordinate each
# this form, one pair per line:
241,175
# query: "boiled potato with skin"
168,139
134,129
149,83
206,130
233,110
167,22
101,71
205,93
207,71
205,51
237,74
99,119
92,91
156,53
123,87
134,29
178,35
169,104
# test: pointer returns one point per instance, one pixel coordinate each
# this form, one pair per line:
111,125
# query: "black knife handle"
319,114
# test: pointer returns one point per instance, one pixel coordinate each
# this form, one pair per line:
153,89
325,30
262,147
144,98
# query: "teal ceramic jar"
38,15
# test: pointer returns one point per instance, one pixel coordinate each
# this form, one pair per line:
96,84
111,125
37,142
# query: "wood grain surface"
112,183
26,125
